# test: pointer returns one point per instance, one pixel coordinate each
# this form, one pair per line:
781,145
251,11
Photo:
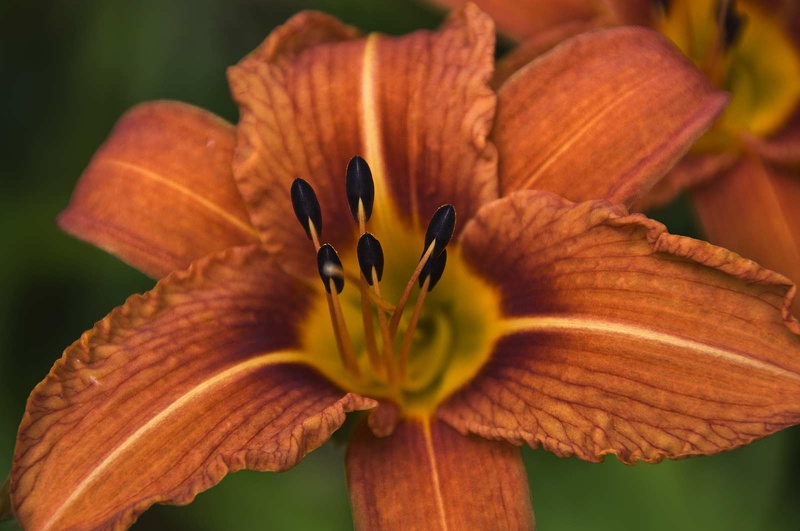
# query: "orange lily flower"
743,175
574,326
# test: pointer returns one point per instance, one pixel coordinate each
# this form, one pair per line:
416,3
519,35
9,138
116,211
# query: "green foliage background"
68,70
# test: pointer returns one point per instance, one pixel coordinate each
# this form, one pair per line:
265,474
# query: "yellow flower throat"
745,51
396,338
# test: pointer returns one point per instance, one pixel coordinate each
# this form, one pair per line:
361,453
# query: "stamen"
330,268
306,208
433,269
370,260
328,264
730,22
386,336
360,191
441,228
360,197
401,304
440,232
402,360
370,255
343,340
369,328
378,301
430,275
362,218
314,235
729,27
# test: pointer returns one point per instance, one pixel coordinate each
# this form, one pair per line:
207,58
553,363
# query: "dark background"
67,71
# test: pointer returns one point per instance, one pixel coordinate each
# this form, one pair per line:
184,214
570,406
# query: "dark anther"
330,267
662,5
370,254
360,186
306,206
434,268
733,22
440,229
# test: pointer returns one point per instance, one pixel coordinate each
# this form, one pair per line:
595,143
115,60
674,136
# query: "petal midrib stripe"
437,484
372,139
216,209
235,371
593,325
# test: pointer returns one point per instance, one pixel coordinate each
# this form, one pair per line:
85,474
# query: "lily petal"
427,476
622,339
782,148
690,171
615,108
535,43
755,211
522,19
170,392
160,192
531,48
787,12
418,108
628,12
529,19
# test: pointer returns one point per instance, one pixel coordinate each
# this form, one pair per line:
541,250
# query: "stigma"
387,330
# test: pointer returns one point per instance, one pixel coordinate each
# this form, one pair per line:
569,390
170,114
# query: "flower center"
384,332
744,51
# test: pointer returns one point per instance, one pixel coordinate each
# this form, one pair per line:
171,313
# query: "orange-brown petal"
536,45
428,476
629,12
418,108
622,339
692,170
526,19
170,392
607,13
788,13
604,115
782,148
159,193
754,210
523,19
